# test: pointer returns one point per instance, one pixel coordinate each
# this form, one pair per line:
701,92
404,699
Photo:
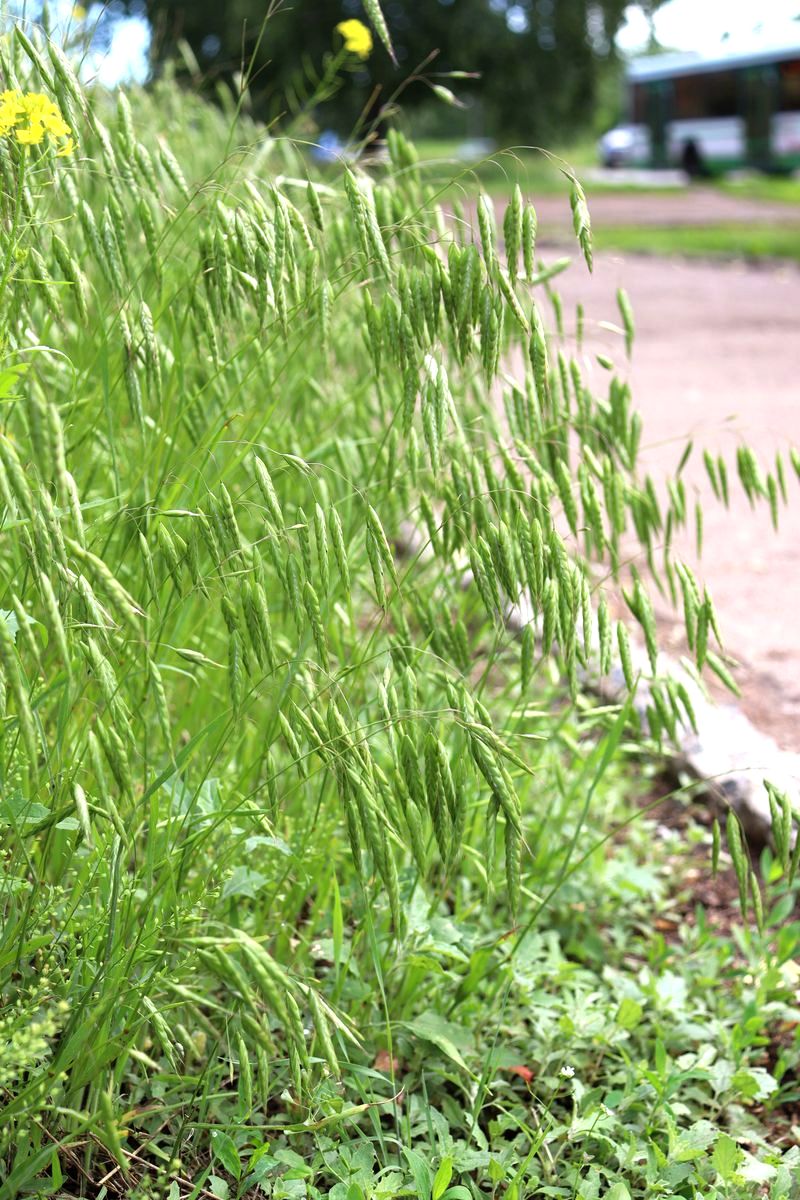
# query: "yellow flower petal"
30,135
55,124
357,38
31,117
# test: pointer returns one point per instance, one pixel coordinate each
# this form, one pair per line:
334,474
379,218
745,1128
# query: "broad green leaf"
754,1171
725,1156
9,377
755,1082
693,1141
441,1179
10,619
260,839
619,1191
629,1013
225,1152
421,1173
451,1039
16,810
243,882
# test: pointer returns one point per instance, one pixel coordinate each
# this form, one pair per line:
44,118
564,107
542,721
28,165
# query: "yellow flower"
79,13
55,125
10,110
30,135
32,117
357,38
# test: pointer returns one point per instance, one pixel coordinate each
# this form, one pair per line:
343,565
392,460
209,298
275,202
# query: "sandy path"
717,358
683,206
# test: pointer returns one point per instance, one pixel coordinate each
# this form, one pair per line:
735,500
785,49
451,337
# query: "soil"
716,359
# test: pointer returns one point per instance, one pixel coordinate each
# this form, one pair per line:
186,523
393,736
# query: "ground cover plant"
308,877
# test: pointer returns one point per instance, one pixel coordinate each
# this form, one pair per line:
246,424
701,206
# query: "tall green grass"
276,457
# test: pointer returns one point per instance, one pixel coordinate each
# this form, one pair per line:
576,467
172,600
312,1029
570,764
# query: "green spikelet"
116,756
722,475
322,1032
267,488
739,857
54,618
513,232
169,552
172,169
691,603
604,635
340,550
642,609
772,495
529,224
701,635
311,602
715,846
513,855
377,537
781,820
626,312
487,228
375,14
581,221
162,707
711,471
550,614
537,353
564,485
758,906
440,816
624,648
262,620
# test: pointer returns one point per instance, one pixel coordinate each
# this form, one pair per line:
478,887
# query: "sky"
125,59
702,24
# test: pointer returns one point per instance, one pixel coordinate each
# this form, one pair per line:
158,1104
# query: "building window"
712,95
789,91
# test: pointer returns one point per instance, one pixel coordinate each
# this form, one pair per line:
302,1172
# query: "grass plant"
307,877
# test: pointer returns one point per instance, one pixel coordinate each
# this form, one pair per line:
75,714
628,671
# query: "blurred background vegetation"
545,69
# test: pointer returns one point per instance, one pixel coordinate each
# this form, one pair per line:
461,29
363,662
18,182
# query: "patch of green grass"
537,172
498,171
712,241
771,188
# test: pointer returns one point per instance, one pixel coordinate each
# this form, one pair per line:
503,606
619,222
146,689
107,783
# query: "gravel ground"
717,359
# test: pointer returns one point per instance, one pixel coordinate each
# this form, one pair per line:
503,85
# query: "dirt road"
695,205
717,359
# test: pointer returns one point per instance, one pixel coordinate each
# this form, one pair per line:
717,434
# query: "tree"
540,61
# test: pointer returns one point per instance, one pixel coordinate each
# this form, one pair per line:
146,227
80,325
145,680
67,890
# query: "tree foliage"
540,62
